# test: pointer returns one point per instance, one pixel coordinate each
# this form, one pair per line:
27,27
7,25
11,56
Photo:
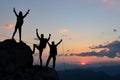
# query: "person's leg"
20,34
14,32
40,56
54,60
34,46
48,60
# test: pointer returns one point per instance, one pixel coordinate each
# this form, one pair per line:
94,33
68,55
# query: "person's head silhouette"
53,43
20,13
42,35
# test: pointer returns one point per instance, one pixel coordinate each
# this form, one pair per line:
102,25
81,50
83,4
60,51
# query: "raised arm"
59,42
15,11
26,13
37,34
49,37
48,43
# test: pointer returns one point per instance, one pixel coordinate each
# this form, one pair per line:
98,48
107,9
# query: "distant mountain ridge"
106,67
110,70
84,74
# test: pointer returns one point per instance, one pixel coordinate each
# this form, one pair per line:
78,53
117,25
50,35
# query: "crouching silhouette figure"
42,45
53,53
19,22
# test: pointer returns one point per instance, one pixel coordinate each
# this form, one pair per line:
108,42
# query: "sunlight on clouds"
110,50
63,30
9,26
90,60
105,2
110,2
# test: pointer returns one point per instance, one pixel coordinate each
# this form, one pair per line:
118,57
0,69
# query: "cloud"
64,34
110,50
64,30
107,1
110,2
9,26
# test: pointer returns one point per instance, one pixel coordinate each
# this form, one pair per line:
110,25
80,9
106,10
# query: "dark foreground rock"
16,63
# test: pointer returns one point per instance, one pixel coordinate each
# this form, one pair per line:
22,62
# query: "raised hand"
28,10
14,9
37,30
49,34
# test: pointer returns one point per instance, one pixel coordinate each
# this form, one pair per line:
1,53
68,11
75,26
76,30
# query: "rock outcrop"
16,63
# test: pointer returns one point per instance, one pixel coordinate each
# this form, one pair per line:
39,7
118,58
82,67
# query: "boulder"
16,63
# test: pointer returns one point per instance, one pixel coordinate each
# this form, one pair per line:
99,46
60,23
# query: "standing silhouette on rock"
19,22
53,53
42,45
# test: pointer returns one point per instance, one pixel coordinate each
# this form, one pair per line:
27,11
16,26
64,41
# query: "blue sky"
80,23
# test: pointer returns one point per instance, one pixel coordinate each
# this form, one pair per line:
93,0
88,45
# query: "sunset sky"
87,27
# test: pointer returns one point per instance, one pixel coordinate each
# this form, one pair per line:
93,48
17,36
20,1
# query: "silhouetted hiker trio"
43,41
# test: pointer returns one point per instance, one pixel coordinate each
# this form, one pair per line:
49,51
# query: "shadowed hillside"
16,63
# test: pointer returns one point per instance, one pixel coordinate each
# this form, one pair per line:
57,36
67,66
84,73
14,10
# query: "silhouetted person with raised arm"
42,45
19,22
53,53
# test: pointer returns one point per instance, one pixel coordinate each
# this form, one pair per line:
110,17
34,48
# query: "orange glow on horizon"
83,63
9,26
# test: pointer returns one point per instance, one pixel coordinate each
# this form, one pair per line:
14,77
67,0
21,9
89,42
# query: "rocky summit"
16,63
